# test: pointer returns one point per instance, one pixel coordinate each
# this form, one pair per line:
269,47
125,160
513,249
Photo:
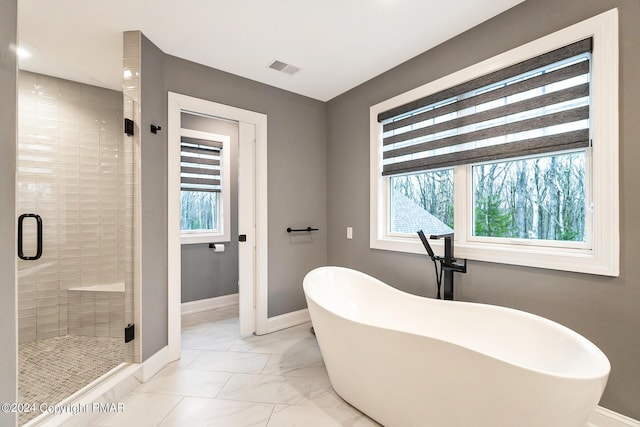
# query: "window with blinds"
540,105
200,165
201,183
517,154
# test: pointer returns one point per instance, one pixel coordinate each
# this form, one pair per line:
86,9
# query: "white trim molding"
223,233
252,217
603,417
288,320
210,304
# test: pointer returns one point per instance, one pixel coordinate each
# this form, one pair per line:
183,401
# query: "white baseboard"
603,417
288,320
209,304
155,363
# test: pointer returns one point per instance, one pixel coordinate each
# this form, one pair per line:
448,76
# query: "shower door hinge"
128,127
129,332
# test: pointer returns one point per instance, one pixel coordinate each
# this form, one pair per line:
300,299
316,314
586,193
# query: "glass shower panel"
72,177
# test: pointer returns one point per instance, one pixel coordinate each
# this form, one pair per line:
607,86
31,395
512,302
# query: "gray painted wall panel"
153,170
603,309
296,176
297,185
205,273
8,308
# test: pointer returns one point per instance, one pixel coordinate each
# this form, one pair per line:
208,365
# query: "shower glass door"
75,215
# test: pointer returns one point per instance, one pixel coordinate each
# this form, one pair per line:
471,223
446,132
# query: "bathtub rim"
603,368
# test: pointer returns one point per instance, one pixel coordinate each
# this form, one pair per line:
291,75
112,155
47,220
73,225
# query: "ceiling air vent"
284,67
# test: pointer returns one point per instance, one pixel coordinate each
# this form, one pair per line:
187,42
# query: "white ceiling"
338,44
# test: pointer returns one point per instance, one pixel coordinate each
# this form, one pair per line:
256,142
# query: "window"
517,155
422,201
204,187
541,198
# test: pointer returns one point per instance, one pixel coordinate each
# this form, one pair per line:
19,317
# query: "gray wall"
296,169
8,309
205,273
605,310
153,170
297,185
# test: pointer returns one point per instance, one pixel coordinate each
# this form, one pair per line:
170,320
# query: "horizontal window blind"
200,165
537,106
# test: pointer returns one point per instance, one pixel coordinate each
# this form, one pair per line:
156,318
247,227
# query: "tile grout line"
273,409
172,409
223,386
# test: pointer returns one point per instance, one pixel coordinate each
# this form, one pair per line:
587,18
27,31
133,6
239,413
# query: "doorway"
252,213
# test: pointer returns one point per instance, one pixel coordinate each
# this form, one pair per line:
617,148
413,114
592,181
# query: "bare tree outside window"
536,198
432,191
539,198
199,210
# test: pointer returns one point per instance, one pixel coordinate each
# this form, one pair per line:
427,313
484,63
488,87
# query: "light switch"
349,233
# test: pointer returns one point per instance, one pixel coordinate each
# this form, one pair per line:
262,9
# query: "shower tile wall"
96,314
70,165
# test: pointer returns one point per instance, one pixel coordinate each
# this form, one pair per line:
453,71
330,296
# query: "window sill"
193,239
589,261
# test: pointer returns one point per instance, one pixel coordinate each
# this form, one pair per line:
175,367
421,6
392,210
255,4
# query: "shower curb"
109,389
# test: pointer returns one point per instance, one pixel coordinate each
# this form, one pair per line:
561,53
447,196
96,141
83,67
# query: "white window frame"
223,233
601,253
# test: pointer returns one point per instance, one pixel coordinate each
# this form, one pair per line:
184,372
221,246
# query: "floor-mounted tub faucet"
448,263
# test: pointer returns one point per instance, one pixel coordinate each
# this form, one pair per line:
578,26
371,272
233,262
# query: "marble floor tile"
198,412
187,356
208,322
141,410
311,416
228,361
186,382
217,341
224,327
299,360
324,396
268,389
274,380
197,328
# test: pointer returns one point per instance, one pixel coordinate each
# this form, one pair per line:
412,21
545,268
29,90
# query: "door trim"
252,217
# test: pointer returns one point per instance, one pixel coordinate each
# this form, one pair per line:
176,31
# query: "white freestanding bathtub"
406,360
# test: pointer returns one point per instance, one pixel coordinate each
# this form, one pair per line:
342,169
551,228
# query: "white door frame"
252,213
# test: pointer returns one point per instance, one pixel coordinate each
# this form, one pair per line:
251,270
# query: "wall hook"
155,129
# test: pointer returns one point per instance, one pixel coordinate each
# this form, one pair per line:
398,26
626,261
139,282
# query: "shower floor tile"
52,369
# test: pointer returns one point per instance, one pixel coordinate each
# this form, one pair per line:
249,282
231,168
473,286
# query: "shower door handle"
38,237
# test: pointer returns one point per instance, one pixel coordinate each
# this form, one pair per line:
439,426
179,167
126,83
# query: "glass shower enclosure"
75,236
